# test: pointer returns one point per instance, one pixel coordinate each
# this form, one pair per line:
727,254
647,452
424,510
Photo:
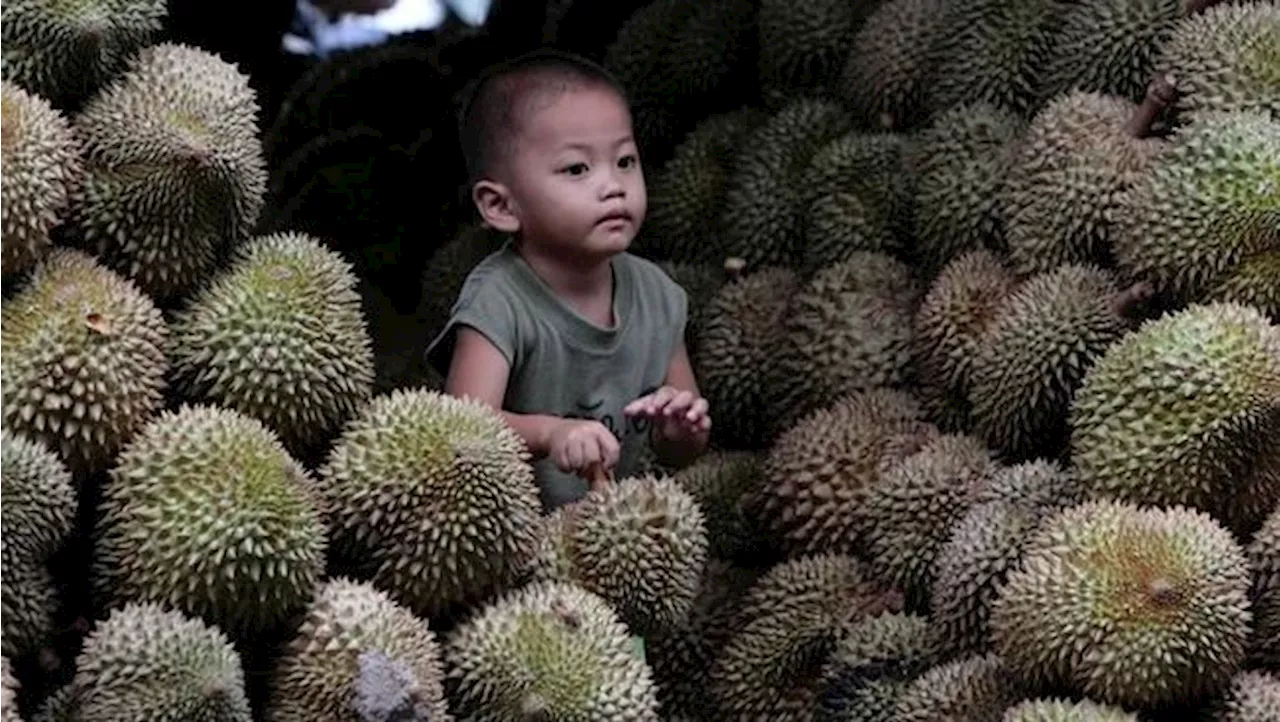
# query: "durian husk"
1264,556
872,664
1225,59
884,77
1057,709
39,506
976,687
1253,696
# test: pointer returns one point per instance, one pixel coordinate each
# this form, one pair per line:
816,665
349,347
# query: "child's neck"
585,286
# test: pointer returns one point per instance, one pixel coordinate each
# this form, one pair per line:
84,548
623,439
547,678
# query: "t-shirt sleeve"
487,309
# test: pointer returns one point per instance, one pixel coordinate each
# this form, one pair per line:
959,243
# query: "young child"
576,341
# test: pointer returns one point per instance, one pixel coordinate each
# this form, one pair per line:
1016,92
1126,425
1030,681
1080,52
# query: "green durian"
1208,203
1132,606
278,335
762,215
743,326
42,171
884,78
1071,169
838,225
68,51
1177,411
9,688
38,511
640,544
145,661
1252,282
331,664
175,172
1110,47
976,687
818,473
949,322
84,366
990,51
907,516
1064,710
1226,58
804,45
447,271
701,282
872,664
1264,558
784,634
1035,353
686,194
28,602
724,485
206,513
1254,696
847,329
432,498
548,651
958,164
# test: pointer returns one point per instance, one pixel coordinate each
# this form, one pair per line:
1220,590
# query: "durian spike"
1195,6
1127,303
1161,92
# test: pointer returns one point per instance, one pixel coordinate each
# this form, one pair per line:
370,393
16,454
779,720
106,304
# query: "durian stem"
1163,591
1126,304
1196,6
1160,93
534,708
733,267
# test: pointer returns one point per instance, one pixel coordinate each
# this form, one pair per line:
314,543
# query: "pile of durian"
985,296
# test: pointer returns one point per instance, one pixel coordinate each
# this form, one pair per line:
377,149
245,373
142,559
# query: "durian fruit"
1033,356
818,473
28,602
1176,411
1132,606
949,322
278,335
883,80
804,45
175,172
857,198
738,342
42,170
1225,58
38,510
681,657
724,484
146,662
1110,47
1253,696
976,687
432,499
785,631
1071,168
986,544
206,513
445,273
701,282
350,630
990,51
688,191
1057,709
848,329
84,363
762,215
958,164
548,651
8,693
1252,282
68,51
907,516
1208,203
1264,558
640,544
872,664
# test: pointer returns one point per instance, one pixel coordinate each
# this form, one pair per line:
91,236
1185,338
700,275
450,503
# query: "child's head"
551,157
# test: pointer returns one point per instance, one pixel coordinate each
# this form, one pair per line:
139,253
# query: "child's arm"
479,370
681,423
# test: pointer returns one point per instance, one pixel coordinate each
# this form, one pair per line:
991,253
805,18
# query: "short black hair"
493,104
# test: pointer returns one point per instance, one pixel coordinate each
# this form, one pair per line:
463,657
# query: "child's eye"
574,169
628,161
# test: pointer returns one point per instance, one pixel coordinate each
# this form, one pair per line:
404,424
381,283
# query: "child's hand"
677,415
578,445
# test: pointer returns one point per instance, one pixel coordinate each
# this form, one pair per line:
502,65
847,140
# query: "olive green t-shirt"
564,365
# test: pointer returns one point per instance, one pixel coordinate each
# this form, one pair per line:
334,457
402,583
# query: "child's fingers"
697,410
677,403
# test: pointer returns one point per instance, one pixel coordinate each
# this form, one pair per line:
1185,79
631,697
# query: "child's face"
575,179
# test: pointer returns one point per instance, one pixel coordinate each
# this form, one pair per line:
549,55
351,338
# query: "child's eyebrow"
585,147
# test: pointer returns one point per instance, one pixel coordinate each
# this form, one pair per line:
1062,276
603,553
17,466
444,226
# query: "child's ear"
496,206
